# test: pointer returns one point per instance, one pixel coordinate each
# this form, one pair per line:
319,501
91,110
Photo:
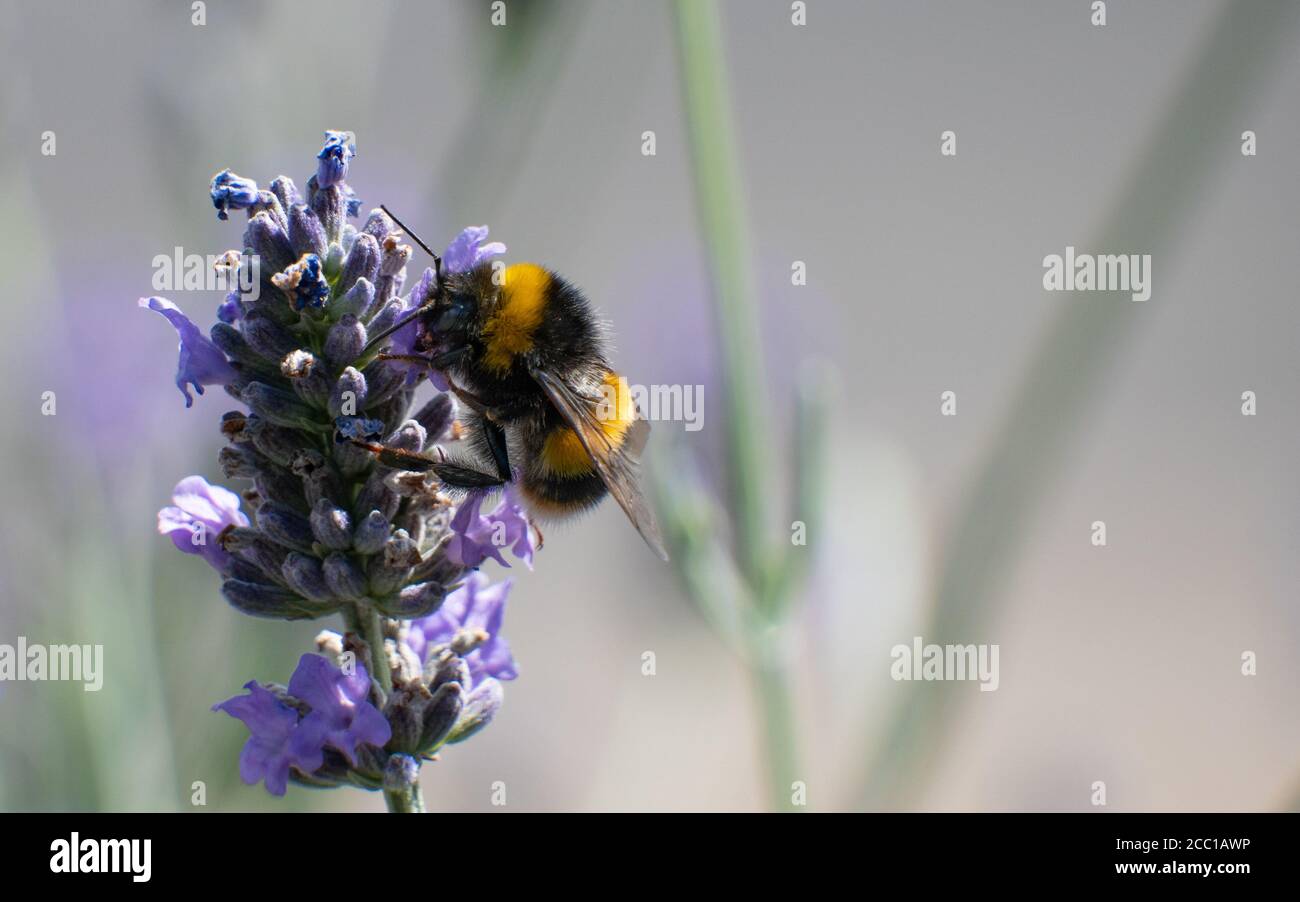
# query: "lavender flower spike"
332,526
201,362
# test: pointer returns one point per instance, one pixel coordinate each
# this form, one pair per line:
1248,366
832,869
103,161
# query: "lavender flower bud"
418,600
404,712
284,527
279,485
267,337
231,342
344,342
392,269
274,442
320,480
268,203
260,600
371,533
269,241
279,407
383,380
439,567
390,570
230,191
388,314
307,377
287,192
333,159
436,417
359,301
409,436
362,262
481,706
440,715
376,494
330,203
238,461
445,668
266,556
331,525
306,234
379,225
348,396
305,576
344,578
351,460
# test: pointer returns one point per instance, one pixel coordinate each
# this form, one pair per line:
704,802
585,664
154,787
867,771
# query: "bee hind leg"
459,476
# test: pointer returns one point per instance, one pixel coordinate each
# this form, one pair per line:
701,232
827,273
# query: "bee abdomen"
560,478
561,496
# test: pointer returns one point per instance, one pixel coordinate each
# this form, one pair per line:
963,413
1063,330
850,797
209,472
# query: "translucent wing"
616,463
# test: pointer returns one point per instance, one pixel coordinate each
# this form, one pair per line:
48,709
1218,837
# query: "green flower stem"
366,622
771,681
1171,177
762,566
720,197
405,801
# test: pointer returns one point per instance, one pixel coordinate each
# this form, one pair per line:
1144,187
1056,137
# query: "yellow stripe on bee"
509,331
617,410
563,453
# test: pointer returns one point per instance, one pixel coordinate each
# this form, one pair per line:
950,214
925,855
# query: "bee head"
462,300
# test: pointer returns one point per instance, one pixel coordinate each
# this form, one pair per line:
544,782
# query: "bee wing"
616,464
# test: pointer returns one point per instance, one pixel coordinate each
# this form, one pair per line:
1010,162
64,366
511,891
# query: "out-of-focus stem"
720,200
772,688
1169,178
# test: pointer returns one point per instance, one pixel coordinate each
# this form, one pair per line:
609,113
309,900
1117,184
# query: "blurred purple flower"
341,714
230,191
476,605
199,512
201,362
477,536
269,751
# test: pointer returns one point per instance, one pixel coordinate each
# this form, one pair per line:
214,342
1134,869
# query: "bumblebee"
523,352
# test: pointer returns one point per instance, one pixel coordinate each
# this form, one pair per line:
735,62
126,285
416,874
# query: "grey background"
1118,664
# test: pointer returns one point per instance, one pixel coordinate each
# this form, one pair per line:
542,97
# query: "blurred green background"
1119,664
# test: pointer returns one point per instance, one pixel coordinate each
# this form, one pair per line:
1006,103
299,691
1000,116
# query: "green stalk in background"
1160,194
745,593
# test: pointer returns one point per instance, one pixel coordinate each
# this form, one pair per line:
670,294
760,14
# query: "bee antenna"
437,261
419,311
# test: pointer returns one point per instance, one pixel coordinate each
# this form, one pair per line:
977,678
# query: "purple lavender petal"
467,251
267,755
341,715
201,509
201,362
